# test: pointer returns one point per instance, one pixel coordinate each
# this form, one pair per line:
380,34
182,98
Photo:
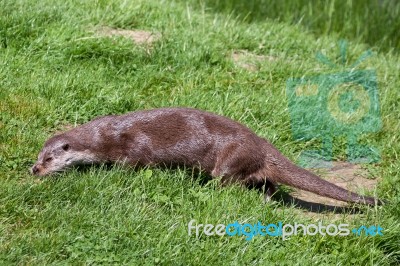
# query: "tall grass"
375,22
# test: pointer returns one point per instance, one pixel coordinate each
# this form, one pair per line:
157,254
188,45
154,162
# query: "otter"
219,146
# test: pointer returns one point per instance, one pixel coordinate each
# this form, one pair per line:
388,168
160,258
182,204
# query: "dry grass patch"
249,61
139,37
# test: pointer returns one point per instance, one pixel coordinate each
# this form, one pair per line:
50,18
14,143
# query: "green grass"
374,22
54,71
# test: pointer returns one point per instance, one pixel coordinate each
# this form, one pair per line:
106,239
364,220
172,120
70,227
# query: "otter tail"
305,180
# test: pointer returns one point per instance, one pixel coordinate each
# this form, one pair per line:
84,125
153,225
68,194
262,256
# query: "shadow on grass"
287,200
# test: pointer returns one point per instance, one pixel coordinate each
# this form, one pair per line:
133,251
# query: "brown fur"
182,136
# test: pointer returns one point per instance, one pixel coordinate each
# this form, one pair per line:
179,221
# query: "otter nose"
35,170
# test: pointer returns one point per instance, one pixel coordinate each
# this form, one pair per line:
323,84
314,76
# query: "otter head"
58,154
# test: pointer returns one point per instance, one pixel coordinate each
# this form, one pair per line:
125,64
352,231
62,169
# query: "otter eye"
66,147
49,159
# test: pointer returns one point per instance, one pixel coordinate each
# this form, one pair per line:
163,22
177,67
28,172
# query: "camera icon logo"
331,105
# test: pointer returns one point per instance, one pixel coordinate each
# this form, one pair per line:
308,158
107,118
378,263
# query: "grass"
55,71
373,22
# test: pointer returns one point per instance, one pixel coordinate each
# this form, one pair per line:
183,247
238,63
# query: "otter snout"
36,170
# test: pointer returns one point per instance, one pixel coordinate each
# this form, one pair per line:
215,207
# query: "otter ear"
66,147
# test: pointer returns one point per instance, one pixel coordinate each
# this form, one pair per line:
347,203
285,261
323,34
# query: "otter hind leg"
264,185
269,191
